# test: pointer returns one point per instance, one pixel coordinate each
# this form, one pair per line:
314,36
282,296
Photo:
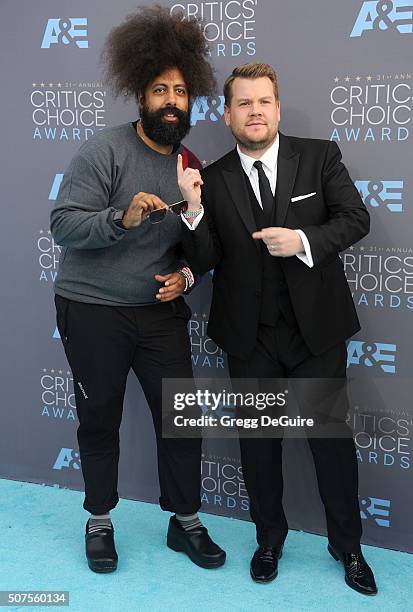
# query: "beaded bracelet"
188,276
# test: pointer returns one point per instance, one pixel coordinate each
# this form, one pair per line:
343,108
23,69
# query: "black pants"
280,352
102,343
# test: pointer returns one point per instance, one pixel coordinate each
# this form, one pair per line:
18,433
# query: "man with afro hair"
118,292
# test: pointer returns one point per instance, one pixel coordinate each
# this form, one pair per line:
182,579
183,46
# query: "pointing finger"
179,166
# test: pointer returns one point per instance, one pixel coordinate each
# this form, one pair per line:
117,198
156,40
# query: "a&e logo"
207,108
377,510
384,15
382,194
66,31
372,354
55,186
67,458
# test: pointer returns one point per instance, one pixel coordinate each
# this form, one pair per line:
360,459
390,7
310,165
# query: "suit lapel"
234,178
287,166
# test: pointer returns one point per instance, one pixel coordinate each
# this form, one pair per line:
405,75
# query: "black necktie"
267,199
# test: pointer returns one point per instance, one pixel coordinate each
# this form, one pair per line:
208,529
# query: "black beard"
161,132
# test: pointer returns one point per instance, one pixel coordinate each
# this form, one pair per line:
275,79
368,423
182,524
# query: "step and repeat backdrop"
345,74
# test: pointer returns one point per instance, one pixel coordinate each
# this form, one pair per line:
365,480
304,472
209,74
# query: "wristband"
191,214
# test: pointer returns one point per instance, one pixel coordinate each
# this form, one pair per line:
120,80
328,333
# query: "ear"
227,117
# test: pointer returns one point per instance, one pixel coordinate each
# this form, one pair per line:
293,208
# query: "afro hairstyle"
150,41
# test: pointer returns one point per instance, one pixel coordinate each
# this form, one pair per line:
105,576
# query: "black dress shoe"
196,543
358,574
100,550
264,563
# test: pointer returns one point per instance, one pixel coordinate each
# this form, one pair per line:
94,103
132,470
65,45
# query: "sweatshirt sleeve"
82,217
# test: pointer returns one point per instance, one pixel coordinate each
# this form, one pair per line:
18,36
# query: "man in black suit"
275,213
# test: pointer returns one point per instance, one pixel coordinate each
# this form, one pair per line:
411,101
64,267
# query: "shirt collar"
269,159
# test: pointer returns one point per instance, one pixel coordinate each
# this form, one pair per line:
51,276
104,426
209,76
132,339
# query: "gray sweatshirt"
102,263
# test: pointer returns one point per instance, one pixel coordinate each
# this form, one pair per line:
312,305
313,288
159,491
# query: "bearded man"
121,277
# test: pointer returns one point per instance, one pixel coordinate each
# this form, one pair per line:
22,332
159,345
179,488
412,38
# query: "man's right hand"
141,205
189,182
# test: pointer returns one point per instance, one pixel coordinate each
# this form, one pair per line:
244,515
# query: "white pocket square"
303,197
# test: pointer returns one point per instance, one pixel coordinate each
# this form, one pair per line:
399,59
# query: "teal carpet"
42,548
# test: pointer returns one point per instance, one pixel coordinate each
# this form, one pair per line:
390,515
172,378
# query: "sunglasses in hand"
158,215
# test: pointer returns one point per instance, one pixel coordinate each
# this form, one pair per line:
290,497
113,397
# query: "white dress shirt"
269,163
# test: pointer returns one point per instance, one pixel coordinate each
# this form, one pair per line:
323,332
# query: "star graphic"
44,370
50,84
361,248
59,84
195,315
41,84
41,232
358,78
60,371
52,371
347,79
351,248
68,373
204,316
369,77
33,84
49,232
336,79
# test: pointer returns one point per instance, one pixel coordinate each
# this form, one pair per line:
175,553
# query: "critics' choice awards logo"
382,439
67,459
382,194
67,111
48,253
222,483
382,15
228,27
380,277
66,31
57,395
378,355
205,353
372,108
376,511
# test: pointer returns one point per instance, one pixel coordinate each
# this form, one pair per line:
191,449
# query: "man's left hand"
280,241
174,286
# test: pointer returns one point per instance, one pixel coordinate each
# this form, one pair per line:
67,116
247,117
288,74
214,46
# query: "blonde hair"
253,70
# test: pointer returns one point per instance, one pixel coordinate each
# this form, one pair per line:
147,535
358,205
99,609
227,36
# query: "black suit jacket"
332,219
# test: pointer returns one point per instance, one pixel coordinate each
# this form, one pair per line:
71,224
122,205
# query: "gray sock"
189,521
99,521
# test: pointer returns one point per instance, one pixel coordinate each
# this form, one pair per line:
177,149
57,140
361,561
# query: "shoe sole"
179,548
352,586
103,569
263,580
